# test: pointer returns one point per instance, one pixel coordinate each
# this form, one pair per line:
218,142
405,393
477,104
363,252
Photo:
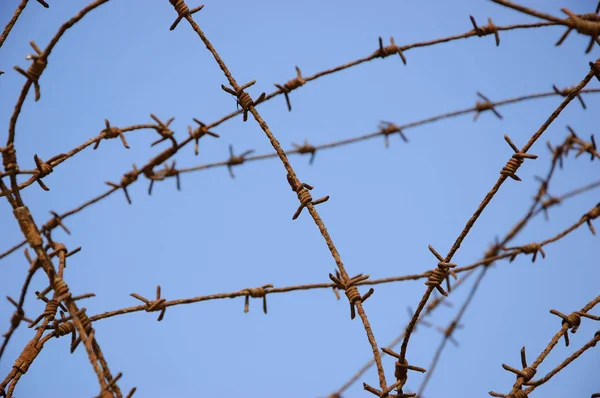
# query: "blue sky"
386,206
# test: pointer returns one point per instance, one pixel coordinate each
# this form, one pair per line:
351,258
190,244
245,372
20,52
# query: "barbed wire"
491,256
76,323
236,161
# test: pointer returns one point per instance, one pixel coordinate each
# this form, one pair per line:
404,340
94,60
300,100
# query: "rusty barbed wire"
585,24
306,148
182,11
555,159
37,67
79,326
573,320
528,372
416,45
489,258
160,304
386,129
508,170
301,189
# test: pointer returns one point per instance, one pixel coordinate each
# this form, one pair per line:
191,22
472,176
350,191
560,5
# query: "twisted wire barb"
586,24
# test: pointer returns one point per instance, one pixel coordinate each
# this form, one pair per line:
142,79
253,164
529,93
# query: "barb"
390,50
302,190
198,133
236,160
127,179
153,305
36,69
292,84
487,105
485,30
528,372
586,24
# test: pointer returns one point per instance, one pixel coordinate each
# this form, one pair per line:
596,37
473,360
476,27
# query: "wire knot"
198,133
44,168
9,159
168,171
350,289
401,368
17,317
153,305
493,251
49,311
546,204
526,373
388,128
573,320
586,24
515,161
61,289
530,248
127,179
163,130
485,30
36,68
302,190
243,98
235,160
567,91
64,328
591,215
306,148
111,132
256,292
54,222
182,11
449,331
443,271
389,50
486,105
576,143
291,85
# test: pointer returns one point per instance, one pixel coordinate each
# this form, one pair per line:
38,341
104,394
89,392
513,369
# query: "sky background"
220,234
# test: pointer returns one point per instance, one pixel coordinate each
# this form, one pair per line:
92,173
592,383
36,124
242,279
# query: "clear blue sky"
222,235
